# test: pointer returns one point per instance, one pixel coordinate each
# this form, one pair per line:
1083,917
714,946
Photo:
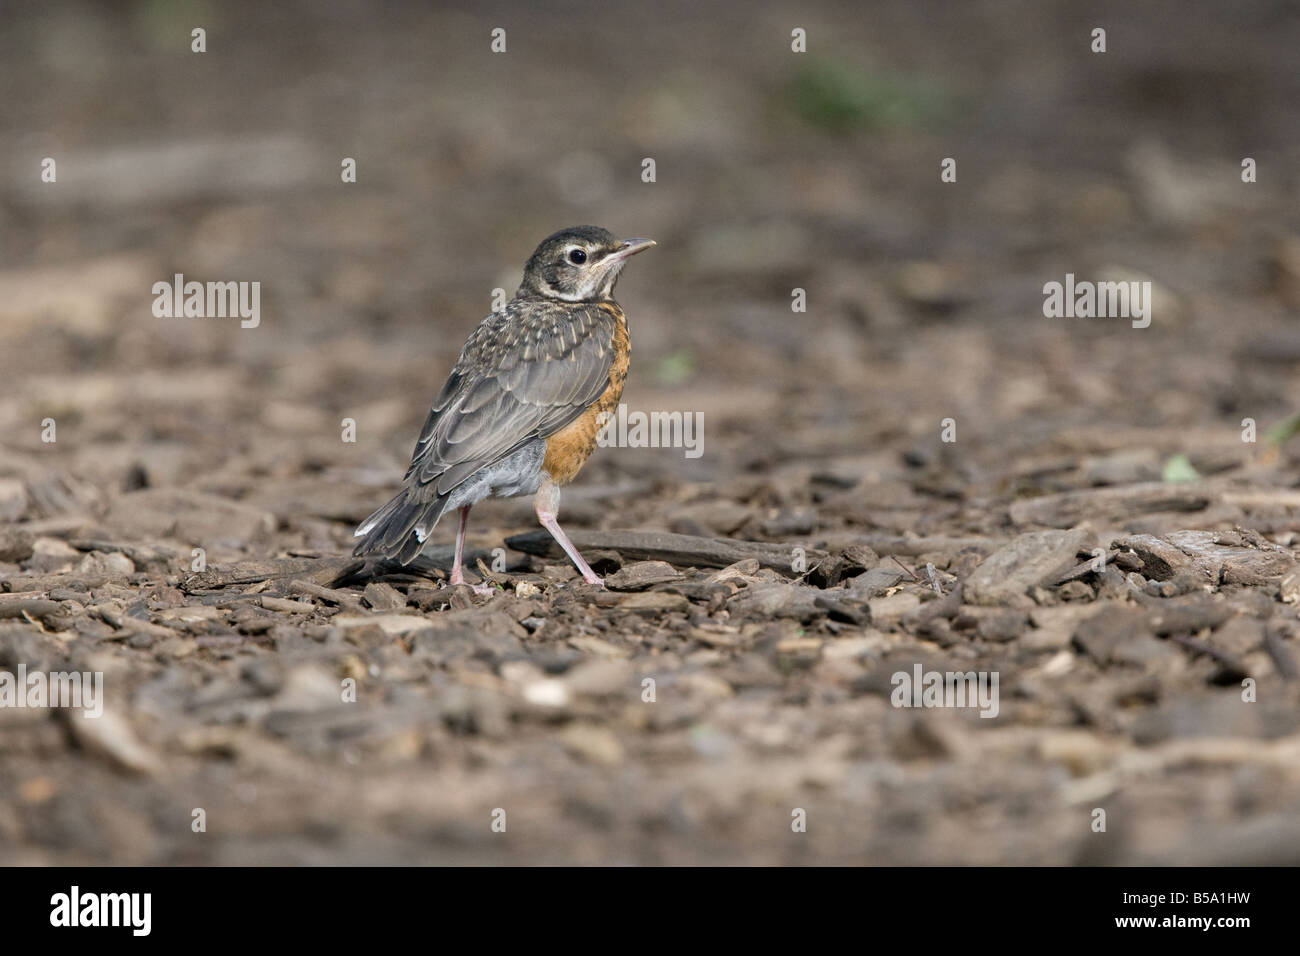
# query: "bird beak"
630,248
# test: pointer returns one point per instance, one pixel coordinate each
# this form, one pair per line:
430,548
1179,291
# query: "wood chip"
679,550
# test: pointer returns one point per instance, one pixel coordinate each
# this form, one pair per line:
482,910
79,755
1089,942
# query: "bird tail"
399,529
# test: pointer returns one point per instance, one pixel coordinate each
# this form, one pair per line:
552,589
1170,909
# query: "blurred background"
774,171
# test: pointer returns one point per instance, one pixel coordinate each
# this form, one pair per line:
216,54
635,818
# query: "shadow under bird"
520,412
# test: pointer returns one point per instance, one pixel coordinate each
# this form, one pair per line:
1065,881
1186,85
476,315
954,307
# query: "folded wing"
523,374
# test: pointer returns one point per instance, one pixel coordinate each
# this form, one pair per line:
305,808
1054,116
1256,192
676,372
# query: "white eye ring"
577,255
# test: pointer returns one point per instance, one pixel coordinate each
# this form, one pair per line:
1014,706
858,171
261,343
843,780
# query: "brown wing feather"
523,374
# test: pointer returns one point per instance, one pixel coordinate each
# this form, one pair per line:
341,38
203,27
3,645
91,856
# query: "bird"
521,410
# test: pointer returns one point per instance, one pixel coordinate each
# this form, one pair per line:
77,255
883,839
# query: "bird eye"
577,257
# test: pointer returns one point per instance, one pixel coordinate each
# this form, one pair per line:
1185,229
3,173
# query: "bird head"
579,264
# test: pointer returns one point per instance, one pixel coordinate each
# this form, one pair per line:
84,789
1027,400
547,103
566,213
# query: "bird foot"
482,590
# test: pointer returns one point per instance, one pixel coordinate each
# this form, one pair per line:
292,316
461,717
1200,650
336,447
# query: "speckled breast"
569,448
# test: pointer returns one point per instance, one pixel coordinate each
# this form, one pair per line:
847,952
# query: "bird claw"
482,590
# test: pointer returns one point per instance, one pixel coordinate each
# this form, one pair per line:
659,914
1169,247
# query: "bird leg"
457,575
547,506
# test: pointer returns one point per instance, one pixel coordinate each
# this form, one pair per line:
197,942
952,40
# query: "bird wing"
523,374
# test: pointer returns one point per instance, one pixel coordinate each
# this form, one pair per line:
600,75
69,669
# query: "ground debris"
679,550
1034,559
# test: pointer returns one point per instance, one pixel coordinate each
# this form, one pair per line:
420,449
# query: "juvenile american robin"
518,414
